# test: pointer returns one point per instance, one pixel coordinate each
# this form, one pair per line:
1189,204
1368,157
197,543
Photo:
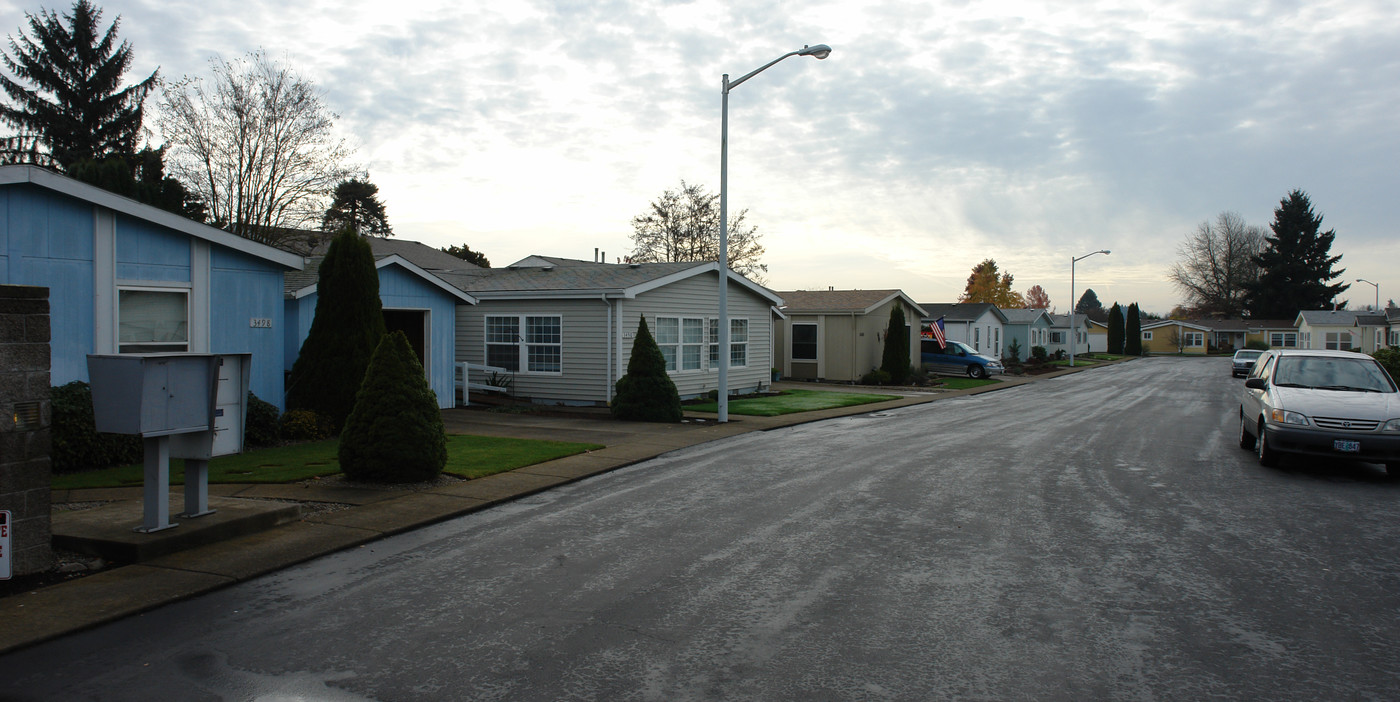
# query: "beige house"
839,334
1175,336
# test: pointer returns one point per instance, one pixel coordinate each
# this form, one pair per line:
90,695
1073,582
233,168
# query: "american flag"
937,329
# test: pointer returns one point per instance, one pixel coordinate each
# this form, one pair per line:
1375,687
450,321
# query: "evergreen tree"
1088,302
73,104
346,330
465,253
356,204
896,358
1115,329
1132,336
142,178
395,433
646,393
1295,266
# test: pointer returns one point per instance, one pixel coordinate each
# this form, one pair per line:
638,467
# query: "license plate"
1346,446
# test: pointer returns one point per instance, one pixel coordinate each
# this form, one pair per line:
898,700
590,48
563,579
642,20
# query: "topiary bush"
77,446
646,393
395,433
1389,358
304,425
260,426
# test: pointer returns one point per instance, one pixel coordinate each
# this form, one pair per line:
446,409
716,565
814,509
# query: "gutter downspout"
608,367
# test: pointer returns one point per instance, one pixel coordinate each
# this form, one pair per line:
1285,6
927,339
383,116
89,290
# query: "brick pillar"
24,425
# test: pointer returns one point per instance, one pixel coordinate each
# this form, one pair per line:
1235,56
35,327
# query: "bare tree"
257,144
684,226
1218,264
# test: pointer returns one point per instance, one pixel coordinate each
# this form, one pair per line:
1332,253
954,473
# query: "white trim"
409,266
200,294
699,269
522,346
35,175
104,280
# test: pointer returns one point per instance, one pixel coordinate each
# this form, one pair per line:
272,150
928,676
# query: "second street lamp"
1072,331
819,51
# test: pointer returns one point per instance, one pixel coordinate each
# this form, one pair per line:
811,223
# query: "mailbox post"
183,405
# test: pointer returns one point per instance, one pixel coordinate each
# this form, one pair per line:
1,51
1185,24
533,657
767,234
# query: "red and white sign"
4,544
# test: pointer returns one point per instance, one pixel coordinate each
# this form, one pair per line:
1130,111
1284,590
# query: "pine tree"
344,334
1132,336
1115,329
896,357
1295,266
73,105
395,432
646,393
465,253
356,205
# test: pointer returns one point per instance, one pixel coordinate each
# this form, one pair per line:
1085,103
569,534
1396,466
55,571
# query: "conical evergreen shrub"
895,360
395,433
348,326
1132,333
646,393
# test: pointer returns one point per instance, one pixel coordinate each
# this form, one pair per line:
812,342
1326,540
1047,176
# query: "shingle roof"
1335,318
566,275
958,311
810,301
1027,316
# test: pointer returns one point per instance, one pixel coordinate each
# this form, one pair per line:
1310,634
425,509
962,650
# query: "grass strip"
468,456
792,401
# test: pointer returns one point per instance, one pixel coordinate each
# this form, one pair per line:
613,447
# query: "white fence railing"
464,383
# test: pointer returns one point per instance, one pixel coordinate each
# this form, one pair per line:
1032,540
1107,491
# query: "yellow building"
1175,336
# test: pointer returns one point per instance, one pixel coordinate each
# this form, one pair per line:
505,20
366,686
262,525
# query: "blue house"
415,300
125,277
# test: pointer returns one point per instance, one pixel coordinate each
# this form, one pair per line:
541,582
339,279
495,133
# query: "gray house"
1026,329
565,327
977,324
839,334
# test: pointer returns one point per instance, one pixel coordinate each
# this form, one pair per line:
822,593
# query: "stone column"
24,425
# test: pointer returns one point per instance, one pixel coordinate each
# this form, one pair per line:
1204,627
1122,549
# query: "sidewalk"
30,618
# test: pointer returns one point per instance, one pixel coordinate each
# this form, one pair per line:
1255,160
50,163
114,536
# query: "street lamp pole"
1378,291
819,51
1074,331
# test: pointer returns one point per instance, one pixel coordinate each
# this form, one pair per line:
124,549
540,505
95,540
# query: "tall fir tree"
646,393
1115,329
347,328
1295,266
73,105
895,360
1132,334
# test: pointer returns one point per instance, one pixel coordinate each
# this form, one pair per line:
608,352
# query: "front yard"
791,401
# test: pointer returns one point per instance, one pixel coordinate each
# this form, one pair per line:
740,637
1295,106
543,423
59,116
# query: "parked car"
1321,403
1243,362
958,358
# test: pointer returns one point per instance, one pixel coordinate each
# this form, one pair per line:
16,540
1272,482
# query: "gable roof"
1026,316
1062,320
1159,323
841,301
419,254
1331,318
34,175
960,311
299,284
545,276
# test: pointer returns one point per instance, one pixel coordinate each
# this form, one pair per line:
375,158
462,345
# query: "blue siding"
147,251
241,288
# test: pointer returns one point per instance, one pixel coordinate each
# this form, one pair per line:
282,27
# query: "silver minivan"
1321,403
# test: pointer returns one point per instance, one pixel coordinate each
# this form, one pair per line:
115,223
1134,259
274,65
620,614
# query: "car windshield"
1331,374
1247,355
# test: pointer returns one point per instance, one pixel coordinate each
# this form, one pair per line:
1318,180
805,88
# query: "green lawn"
964,383
467,456
793,401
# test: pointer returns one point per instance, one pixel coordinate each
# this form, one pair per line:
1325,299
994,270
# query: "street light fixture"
819,51
1378,291
1073,331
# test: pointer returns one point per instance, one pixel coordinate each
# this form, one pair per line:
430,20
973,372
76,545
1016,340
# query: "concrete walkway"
374,513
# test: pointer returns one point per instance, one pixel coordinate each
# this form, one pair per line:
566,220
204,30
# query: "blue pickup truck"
957,358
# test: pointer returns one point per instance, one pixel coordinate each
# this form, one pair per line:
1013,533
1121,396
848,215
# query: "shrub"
877,376
646,393
1039,354
77,446
1257,345
260,427
304,425
395,433
1013,352
895,360
1390,359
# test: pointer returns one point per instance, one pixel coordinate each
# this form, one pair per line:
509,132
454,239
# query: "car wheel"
977,372
1246,439
1392,471
1268,457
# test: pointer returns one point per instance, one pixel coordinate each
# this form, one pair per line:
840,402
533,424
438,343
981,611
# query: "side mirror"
1256,384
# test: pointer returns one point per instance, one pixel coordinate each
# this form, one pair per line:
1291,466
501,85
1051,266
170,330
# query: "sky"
936,135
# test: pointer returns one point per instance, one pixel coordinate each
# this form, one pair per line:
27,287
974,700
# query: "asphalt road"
1096,536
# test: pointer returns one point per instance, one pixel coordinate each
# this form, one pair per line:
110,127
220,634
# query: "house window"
977,338
152,321
1283,340
1195,339
681,340
1147,336
738,343
1338,341
1057,337
539,350
804,342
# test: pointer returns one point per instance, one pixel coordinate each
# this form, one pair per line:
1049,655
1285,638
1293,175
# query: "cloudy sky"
936,135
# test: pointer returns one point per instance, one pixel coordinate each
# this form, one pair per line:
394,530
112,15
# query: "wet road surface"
1096,536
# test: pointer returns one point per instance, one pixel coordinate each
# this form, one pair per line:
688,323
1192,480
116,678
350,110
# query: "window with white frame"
1147,336
152,320
1195,339
532,343
1338,341
682,340
738,342
1283,340
977,338
1057,337
804,341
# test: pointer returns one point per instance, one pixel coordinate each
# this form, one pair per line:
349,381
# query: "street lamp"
1073,331
1378,291
819,51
